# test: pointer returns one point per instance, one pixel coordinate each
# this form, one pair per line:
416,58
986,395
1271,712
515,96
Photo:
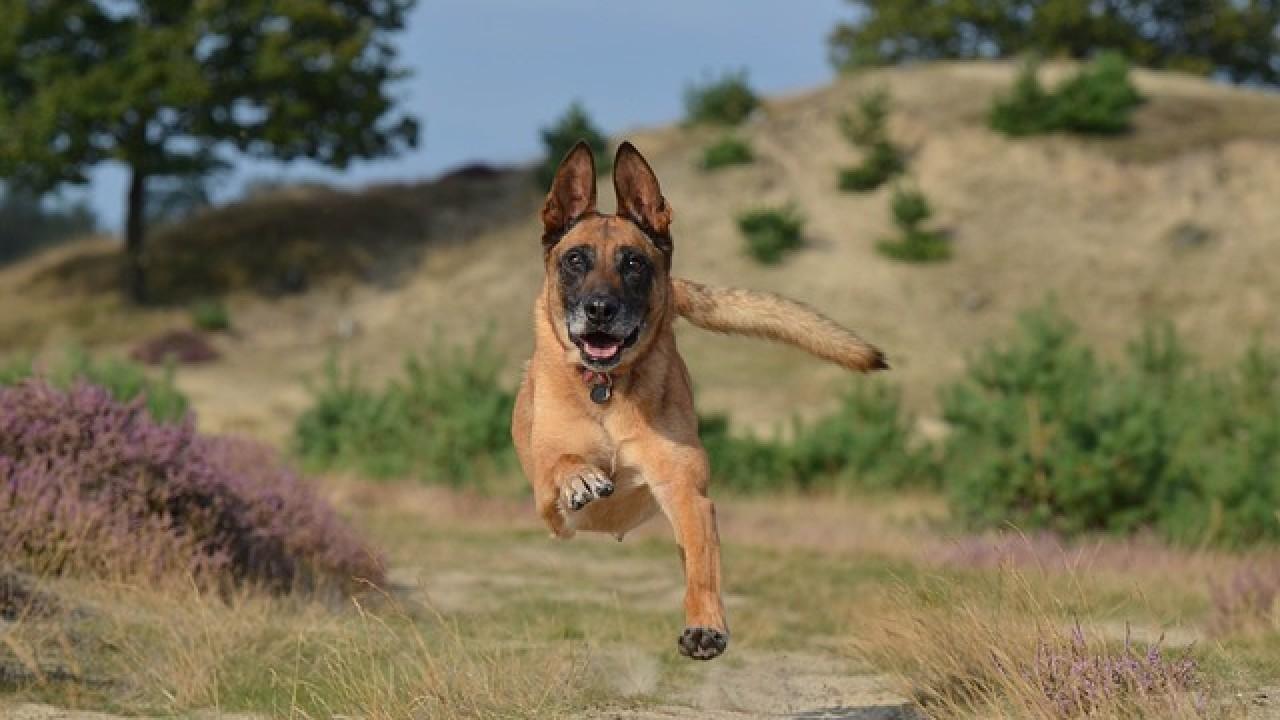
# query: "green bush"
1043,435
210,315
916,244
869,125
1096,100
864,444
124,380
447,418
882,162
728,150
725,101
1099,99
771,233
1028,109
867,129
560,137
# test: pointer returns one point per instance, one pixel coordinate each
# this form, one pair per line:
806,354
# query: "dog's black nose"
600,309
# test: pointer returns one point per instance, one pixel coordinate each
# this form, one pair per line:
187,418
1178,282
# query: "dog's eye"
575,260
634,265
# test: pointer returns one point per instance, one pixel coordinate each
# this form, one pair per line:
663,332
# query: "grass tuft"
772,232
728,150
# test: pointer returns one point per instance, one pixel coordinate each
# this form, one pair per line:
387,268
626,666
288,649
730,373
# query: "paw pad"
702,643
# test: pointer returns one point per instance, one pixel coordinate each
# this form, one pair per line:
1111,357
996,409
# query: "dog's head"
608,273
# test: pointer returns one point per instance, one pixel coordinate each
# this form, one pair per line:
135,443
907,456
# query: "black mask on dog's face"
606,267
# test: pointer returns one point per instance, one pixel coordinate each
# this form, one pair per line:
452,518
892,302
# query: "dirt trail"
777,685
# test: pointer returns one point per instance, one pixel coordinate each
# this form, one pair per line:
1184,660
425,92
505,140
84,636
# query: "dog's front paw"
585,484
703,643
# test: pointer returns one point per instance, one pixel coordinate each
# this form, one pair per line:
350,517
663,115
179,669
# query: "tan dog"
604,422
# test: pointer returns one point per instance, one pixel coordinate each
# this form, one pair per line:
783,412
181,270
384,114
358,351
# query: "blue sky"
487,74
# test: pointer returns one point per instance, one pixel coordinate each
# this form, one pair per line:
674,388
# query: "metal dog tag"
600,393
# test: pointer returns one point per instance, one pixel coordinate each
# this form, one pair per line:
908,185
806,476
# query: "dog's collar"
601,385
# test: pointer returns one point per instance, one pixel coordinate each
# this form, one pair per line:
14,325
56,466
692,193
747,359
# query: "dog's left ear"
640,197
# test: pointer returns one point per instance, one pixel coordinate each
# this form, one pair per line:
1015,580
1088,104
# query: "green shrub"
915,244
725,101
882,162
1096,100
447,418
560,137
210,315
1099,99
864,444
771,233
1043,435
728,150
124,380
1028,109
867,129
869,125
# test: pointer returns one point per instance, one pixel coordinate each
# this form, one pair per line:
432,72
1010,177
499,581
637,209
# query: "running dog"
604,422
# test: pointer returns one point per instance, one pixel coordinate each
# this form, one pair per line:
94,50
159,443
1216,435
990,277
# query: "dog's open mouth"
602,350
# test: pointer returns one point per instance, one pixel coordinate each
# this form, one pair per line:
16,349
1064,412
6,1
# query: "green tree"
170,88
560,136
1239,39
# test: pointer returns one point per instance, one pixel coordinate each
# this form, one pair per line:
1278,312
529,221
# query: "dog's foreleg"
567,486
684,501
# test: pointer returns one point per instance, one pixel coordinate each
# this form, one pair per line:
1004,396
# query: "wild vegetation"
728,150
171,99
1098,99
1077,533
446,420
867,129
727,100
1046,435
561,135
915,243
1221,37
124,381
769,233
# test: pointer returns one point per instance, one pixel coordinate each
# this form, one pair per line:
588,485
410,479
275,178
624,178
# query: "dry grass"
175,649
485,617
1011,648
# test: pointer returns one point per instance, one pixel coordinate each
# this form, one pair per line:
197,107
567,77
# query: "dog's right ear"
573,194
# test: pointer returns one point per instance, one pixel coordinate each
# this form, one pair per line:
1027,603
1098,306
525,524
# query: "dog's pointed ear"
640,197
572,195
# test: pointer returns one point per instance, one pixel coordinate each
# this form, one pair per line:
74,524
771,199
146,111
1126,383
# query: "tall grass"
1013,647
173,649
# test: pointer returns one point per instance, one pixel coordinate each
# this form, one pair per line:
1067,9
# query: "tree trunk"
134,237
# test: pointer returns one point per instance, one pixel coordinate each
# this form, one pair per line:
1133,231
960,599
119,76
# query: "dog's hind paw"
702,643
584,485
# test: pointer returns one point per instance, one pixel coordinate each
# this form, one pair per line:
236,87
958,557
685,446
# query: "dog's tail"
765,315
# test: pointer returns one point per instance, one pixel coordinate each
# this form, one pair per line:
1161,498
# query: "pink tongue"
600,351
